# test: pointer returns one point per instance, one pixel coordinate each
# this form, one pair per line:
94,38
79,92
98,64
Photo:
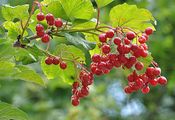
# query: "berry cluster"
51,21
128,47
56,61
80,88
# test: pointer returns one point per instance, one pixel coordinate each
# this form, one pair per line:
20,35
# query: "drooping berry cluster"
80,88
56,61
128,48
51,21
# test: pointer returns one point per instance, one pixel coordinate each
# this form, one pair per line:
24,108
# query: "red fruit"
45,38
63,65
112,57
75,85
85,91
40,33
148,31
98,72
142,39
153,82
102,65
128,90
131,78
58,22
117,41
75,101
96,58
49,17
40,16
139,66
102,37
157,71
56,60
132,60
39,28
139,82
110,34
162,80
127,42
106,49
146,36
130,35
49,60
145,90
149,71
117,63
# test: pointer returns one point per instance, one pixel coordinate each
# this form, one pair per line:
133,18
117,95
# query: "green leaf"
27,74
78,9
102,3
78,41
10,13
131,16
9,112
13,29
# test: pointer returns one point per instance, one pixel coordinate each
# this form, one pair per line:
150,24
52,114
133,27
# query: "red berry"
45,38
145,90
162,80
51,23
153,82
63,65
56,60
117,41
75,85
128,90
49,17
142,39
110,34
40,33
40,16
131,78
39,28
127,42
130,35
106,49
157,71
102,37
96,58
58,22
85,91
75,101
139,66
148,31
49,60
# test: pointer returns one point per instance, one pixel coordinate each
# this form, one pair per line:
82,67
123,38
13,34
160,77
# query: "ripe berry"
58,22
110,34
127,41
117,41
106,49
75,85
153,82
63,65
40,16
49,17
49,60
128,90
162,80
139,66
145,90
51,23
149,31
102,37
75,101
45,38
56,60
130,35
142,39
157,71
96,58
39,28
40,33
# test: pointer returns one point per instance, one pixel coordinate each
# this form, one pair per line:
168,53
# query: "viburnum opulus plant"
83,46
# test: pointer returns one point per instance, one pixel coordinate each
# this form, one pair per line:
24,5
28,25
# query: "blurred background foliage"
107,100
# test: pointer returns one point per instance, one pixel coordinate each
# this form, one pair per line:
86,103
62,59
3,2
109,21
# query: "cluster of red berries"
128,47
51,21
142,81
56,61
80,88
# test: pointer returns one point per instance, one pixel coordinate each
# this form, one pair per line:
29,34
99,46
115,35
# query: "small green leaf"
102,3
13,29
79,42
27,74
10,13
9,112
78,9
131,16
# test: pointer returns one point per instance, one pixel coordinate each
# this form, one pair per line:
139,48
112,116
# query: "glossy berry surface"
40,16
